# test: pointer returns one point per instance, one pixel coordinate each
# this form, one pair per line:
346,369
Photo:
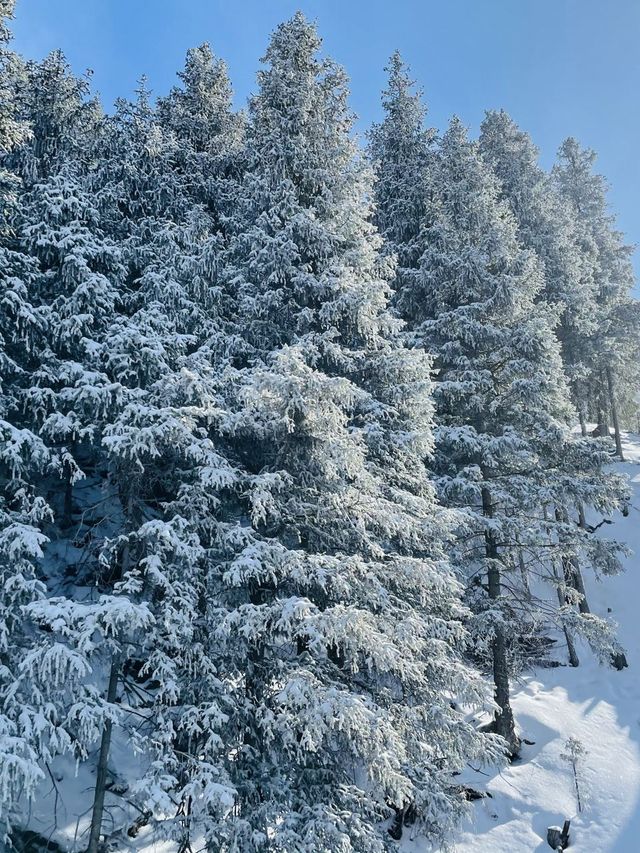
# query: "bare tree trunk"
67,510
101,776
614,412
105,741
570,565
524,574
581,406
573,655
583,422
603,424
578,584
602,404
504,723
582,519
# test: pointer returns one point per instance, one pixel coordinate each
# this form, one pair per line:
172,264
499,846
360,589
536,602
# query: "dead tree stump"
558,839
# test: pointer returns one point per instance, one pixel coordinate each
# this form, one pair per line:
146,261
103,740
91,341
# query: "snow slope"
597,705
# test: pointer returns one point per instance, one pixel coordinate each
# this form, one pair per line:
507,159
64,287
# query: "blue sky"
560,67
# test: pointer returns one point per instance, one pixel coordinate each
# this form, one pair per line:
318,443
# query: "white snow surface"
595,704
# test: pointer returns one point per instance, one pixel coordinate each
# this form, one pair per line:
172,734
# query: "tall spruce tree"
208,131
144,379
342,630
113,266
26,733
401,149
613,344
546,225
166,351
504,451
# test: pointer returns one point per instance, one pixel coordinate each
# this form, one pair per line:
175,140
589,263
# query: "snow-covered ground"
597,705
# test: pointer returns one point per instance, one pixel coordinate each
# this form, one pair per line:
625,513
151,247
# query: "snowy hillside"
597,705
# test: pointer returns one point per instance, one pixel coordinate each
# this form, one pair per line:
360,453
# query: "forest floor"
595,704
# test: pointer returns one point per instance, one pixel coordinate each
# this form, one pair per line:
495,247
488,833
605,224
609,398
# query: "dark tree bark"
573,655
575,574
602,404
614,412
524,574
504,723
583,422
571,567
112,690
558,839
67,509
101,776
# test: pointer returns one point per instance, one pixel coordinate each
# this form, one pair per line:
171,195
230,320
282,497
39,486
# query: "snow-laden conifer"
29,730
401,149
208,131
546,225
342,629
612,345
505,452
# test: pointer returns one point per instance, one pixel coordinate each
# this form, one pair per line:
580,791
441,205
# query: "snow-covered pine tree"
104,389
401,150
504,449
70,285
62,118
73,287
546,225
342,635
209,133
152,370
614,343
30,731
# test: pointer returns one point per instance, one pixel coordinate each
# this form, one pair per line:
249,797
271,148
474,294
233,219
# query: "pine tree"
504,451
158,356
73,288
342,627
27,730
546,225
401,150
613,345
108,394
63,119
209,133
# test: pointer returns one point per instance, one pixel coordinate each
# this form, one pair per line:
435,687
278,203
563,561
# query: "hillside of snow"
595,704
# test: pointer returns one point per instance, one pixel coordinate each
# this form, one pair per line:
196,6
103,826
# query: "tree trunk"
602,403
504,723
603,424
570,565
573,655
582,405
101,776
67,510
614,412
578,584
583,606
583,422
524,574
112,689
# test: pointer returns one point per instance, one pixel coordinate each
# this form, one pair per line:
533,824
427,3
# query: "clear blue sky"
560,67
